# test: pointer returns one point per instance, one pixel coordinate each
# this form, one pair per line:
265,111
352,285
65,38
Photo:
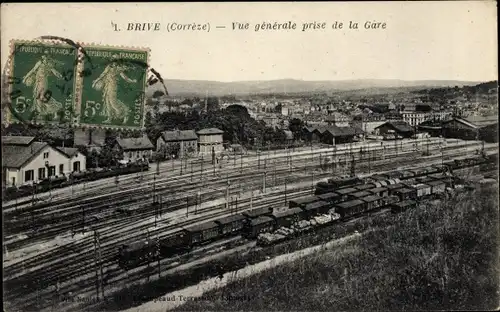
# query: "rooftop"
68,151
15,156
210,131
142,143
17,140
179,135
401,126
201,227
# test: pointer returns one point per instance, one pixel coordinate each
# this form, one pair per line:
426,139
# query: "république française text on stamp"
113,87
42,82
60,81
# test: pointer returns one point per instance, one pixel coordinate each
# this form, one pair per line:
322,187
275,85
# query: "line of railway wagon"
339,197
13,192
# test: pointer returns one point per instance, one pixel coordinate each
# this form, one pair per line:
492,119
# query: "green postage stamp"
94,86
113,87
42,82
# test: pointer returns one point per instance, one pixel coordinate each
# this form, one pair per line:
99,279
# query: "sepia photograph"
238,156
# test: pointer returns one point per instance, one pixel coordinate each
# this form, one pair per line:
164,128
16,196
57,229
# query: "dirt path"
174,299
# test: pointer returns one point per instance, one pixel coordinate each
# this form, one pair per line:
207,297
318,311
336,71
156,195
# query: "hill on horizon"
178,87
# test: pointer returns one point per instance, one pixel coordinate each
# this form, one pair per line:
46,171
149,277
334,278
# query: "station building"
209,140
27,161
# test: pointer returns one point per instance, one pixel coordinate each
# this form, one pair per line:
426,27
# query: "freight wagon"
331,198
394,187
380,191
252,214
438,187
357,195
344,192
405,193
302,202
373,202
323,187
202,233
364,187
313,209
288,217
350,208
343,182
259,225
231,224
423,190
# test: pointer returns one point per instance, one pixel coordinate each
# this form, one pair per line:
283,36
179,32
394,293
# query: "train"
47,184
336,200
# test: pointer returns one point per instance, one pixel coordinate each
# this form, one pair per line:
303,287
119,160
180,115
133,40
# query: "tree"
148,120
277,108
212,103
158,94
296,126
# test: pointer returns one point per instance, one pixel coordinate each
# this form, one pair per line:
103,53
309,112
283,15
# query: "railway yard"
69,242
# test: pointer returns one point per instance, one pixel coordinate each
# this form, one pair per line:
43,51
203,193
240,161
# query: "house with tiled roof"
397,128
26,161
134,149
181,143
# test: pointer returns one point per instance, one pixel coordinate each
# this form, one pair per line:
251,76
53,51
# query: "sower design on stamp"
42,82
113,87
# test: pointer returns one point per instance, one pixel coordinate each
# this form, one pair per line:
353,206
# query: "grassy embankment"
439,256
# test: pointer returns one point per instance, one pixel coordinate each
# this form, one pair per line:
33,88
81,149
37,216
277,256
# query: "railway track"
69,261
112,219
73,265
128,181
60,206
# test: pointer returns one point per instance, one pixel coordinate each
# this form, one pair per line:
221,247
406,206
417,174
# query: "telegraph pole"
198,202
312,180
264,182
100,263
227,194
187,206
353,170
274,165
83,219
201,172
149,259
96,267
158,251
285,192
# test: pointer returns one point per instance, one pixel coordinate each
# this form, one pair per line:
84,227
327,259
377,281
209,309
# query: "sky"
422,40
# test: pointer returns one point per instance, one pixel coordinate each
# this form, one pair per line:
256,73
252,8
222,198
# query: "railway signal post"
241,163
285,192
158,254
227,194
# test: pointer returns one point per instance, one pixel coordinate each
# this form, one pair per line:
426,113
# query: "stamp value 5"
42,82
113,87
